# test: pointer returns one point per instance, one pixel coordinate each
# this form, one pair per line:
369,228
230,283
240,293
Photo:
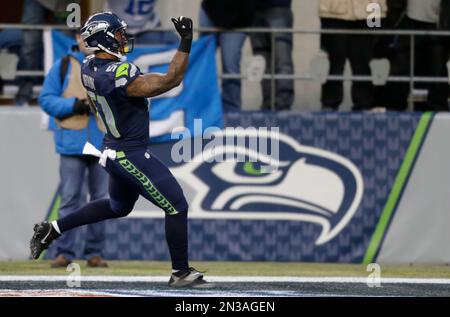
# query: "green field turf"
229,269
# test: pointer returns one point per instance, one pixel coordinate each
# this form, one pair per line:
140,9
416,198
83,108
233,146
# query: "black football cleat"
190,278
43,236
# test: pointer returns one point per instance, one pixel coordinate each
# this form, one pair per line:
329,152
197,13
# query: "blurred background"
305,46
357,88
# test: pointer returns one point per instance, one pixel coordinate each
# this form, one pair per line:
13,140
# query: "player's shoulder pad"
124,72
125,69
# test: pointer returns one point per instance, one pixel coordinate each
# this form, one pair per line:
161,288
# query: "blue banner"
198,97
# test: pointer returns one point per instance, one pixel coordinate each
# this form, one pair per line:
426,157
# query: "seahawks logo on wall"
309,184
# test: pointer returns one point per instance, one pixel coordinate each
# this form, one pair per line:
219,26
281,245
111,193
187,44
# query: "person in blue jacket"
64,99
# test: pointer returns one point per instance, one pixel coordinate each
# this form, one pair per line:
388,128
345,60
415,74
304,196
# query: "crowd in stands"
431,52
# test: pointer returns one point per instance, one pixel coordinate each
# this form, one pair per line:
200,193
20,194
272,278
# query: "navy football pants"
140,173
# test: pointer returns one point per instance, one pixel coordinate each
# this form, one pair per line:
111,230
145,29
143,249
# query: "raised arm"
150,85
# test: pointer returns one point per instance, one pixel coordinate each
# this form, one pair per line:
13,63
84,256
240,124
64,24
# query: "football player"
118,92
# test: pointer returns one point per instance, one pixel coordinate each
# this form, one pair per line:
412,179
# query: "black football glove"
184,27
81,107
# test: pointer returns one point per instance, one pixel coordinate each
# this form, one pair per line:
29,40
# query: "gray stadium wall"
355,188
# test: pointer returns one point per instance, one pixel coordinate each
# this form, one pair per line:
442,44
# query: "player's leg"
158,185
123,194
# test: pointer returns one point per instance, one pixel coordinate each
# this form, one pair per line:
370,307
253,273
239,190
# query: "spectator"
352,15
64,98
275,14
31,55
141,17
229,14
431,55
11,42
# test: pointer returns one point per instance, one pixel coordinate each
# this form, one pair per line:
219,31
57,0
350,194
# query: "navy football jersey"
126,118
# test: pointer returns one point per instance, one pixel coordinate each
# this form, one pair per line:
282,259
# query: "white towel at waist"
89,149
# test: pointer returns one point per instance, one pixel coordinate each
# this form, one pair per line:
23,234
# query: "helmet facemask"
125,42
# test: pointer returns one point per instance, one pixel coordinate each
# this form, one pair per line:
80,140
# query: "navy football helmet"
105,31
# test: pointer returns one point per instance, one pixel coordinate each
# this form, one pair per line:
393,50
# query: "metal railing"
412,34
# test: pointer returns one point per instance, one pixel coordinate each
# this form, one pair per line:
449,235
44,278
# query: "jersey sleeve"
125,74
